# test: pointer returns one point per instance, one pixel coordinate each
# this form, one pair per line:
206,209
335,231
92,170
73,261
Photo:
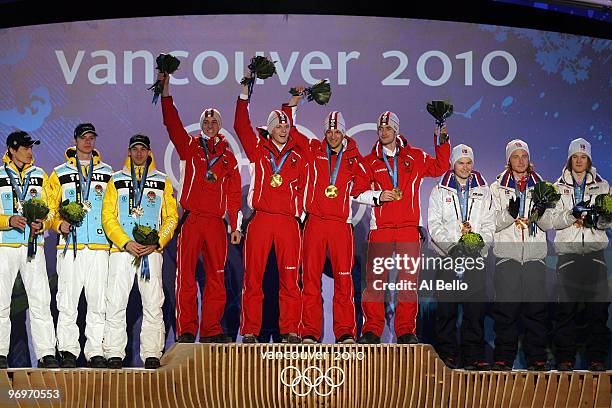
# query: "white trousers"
36,283
89,271
120,280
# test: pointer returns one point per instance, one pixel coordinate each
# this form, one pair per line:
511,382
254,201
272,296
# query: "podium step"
282,375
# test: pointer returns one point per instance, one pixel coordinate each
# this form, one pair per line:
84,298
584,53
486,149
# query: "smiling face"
210,127
463,167
139,154
334,138
280,133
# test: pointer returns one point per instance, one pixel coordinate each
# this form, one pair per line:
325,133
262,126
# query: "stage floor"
280,375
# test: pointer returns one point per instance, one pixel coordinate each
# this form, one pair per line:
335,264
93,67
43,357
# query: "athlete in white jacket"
520,285
461,203
581,266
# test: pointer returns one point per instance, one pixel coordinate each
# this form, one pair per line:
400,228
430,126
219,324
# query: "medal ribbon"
463,194
209,162
137,186
392,173
18,194
579,189
83,192
333,176
276,169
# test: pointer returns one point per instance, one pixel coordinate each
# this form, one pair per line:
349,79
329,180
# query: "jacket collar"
349,147
591,177
506,179
11,164
216,146
127,166
71,157
449,180
401,143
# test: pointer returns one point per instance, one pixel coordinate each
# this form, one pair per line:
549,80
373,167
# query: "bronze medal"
211,177
276,180
331,191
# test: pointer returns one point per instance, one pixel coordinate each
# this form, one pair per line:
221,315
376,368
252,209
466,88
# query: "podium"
324,375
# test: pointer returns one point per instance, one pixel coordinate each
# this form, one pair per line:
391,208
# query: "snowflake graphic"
558,53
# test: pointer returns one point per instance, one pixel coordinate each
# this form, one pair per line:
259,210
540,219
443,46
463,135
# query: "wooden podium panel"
305,376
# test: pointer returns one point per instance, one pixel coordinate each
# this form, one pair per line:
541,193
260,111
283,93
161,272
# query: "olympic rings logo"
299,381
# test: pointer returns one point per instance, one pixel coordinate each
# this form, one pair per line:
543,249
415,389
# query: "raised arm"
242,125
177,133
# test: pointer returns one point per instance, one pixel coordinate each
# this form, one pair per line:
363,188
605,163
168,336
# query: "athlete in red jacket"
210,186
336,174
278,174
394,227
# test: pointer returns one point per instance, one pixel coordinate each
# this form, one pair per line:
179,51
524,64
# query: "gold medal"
331,191
398,193
137,212
276,180
211,177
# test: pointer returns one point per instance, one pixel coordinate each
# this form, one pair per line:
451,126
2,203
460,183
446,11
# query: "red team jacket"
285,199
197,194
353,176
414,164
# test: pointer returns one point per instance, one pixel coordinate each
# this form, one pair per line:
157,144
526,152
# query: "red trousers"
282,231
207,235
390,242
336,237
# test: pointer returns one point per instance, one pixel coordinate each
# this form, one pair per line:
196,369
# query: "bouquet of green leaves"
260,67
73,213
603,206
144,236
543,196
166,64
319,92
34,209
471,243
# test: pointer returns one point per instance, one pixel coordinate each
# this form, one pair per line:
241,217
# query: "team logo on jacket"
33,192
448,199
293,162
151,196
407,164
98,190
225,164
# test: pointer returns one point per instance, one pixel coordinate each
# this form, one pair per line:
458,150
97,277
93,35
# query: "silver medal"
137,212
87,205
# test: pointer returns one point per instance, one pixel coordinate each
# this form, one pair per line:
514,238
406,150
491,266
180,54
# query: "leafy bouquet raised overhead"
440,110
73,213
319,92
166,64
34,209
260,67
144,236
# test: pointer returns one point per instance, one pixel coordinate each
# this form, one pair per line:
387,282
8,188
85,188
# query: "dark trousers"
471,343
582,279
520,296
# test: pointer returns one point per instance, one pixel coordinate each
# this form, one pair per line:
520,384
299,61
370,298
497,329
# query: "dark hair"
568,165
